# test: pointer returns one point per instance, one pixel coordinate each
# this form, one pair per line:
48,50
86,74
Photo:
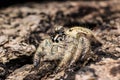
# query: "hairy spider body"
68,47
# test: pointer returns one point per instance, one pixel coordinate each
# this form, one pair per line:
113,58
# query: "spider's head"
77,29
71,32
58,35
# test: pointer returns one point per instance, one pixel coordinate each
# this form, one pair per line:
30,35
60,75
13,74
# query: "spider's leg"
67,57
77,54
83,49
37,56
52,57
86,48
56,53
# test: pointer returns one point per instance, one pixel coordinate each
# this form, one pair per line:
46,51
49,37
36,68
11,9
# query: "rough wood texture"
22,27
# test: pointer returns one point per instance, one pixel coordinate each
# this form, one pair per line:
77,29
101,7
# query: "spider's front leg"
56,53
67,57
83,50
38,54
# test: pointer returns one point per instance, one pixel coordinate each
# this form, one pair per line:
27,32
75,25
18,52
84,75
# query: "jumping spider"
68,47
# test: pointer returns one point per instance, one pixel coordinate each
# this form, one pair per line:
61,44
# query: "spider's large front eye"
53,38
56,41
60,38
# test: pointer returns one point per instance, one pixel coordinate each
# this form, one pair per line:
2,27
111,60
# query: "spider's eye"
61,39
56,41
52,39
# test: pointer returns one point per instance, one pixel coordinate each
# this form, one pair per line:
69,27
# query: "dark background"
6,3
